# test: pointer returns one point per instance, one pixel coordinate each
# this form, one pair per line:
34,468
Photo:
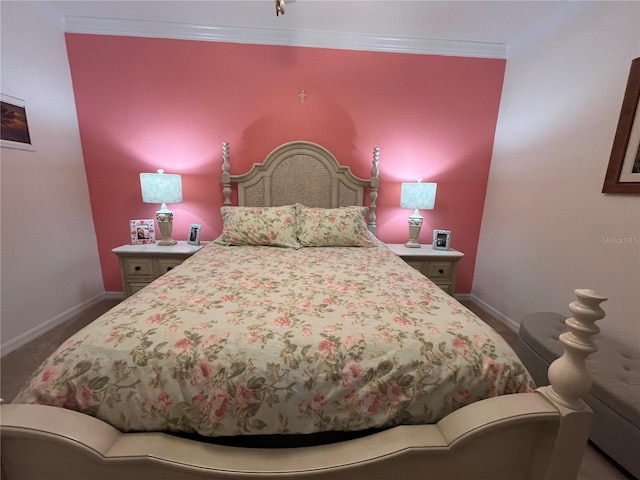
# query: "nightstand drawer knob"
169,268
137,268
441,271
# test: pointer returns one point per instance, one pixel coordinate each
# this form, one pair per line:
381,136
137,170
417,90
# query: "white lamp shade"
418,195
161,187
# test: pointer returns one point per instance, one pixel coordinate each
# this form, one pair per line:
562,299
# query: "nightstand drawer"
440,266
439,270
133,287
141,264
415,264
447,287
167,264
134,267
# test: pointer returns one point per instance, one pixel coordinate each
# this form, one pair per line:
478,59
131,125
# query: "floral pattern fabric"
262,340
333,227
274,226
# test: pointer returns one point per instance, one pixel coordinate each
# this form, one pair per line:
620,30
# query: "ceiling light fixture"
280,6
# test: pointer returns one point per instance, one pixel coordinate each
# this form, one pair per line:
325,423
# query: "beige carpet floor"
16,367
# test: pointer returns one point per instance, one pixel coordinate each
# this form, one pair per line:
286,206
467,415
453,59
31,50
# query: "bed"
298,346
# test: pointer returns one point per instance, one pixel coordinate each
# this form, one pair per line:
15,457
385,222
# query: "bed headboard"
301,172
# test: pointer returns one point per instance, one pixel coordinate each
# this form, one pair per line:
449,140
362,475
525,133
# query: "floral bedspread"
263,340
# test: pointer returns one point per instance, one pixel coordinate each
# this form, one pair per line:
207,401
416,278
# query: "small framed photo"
194,234
441,239
142,231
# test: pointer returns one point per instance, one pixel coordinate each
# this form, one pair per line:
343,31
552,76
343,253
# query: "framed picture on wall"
623,171
15,128
441,239
142,231
194,234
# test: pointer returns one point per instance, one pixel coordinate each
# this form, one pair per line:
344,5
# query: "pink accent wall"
145,104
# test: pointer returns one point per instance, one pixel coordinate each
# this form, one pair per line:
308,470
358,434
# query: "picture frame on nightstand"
194,234
441,239
143,231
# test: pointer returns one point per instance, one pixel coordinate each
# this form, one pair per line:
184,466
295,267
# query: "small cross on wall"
302,95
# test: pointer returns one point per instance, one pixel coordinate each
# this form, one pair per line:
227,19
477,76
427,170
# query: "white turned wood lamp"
162,188
417,196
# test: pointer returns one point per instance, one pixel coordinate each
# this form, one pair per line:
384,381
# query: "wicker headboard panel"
301,172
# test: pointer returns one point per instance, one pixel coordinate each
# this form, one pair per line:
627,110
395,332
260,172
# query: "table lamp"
162,188
418,196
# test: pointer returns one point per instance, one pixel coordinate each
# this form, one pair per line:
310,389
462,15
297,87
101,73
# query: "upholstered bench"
615,394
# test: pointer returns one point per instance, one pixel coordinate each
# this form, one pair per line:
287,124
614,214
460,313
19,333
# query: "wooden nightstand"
142,264
440,266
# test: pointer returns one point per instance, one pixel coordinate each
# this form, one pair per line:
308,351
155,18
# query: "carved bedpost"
570,381
226,174
373,191
568,375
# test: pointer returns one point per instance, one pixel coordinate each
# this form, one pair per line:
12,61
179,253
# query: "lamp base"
412,244
165,223
415,223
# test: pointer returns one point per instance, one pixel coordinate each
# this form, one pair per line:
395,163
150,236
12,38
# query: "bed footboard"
509,436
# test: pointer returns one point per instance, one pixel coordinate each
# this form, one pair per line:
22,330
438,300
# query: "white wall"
546,228
49,253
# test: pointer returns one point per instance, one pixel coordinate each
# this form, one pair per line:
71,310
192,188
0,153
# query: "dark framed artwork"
623,172
14,130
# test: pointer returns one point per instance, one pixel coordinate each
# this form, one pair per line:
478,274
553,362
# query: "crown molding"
273,36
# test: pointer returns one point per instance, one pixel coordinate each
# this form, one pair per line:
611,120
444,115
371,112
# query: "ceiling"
490,28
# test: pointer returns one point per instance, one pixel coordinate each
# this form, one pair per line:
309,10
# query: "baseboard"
43,328
113,295
463,296
508,322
